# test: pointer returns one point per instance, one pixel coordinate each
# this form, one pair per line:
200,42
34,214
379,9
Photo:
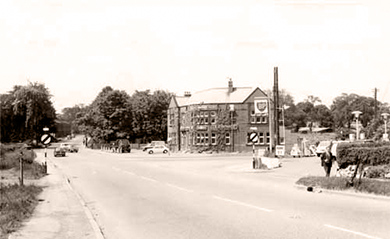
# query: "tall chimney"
230,85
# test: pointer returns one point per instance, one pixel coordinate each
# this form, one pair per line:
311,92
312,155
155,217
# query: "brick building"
218,119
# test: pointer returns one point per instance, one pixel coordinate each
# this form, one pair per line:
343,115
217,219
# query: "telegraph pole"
375,103
276,105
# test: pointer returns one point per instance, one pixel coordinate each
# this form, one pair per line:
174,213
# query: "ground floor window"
213,139
268,138
227,139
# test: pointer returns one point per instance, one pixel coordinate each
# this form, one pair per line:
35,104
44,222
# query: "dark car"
73,149
59,152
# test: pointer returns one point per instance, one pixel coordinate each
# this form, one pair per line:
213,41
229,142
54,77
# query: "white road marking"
131,173
243,204
149,179
350,231
180,188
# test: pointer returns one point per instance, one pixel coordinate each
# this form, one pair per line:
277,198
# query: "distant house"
218,116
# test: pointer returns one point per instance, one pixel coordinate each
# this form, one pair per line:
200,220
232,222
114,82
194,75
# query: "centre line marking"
131,173
243,204
353,232
149,179
180,188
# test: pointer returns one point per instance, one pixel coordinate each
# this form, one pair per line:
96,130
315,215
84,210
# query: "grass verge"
374,186
16,204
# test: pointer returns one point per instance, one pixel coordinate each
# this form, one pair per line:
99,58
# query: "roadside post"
253,137
21,168
45,139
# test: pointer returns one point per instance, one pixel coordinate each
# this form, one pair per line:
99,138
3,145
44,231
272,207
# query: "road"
196,196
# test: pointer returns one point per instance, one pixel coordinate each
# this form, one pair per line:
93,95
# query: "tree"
26,110
343,106
108,117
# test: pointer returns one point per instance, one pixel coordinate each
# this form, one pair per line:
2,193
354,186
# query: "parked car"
59,152
157,149
322,146
152,144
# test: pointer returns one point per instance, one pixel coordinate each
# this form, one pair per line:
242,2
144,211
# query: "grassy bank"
374,186
17,202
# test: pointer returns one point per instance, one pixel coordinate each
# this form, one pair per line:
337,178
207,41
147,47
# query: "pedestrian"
326,160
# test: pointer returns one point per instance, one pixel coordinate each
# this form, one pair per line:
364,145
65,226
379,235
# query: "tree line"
114,114
339,116
142,117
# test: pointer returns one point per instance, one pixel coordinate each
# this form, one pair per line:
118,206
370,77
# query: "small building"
219,119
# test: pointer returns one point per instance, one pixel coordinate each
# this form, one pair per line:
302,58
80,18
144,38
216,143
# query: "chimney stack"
231,89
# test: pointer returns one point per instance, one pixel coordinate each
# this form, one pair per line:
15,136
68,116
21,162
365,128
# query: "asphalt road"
206,196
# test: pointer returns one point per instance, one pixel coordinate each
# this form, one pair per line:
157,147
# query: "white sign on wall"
261,106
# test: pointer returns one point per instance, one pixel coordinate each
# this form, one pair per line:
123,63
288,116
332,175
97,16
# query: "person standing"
326,160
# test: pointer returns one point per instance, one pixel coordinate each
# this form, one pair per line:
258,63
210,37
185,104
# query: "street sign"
280,150
253,137
45,139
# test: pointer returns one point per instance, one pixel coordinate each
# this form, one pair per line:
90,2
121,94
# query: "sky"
77,47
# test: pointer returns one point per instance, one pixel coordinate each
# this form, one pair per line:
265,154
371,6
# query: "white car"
321,147
67,147
157,149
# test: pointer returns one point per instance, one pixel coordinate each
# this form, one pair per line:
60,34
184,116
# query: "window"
264,119
261,138
227,138
213,117
201,117
258,119
253,119
206,139
268,138
206,117
213,139
197,138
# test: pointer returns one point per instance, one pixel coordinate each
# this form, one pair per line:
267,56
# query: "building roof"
216,96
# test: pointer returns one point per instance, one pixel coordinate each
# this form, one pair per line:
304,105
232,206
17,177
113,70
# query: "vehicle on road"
322,146
73,149
69,147
158,149
59,152
65,146
152,144
295,151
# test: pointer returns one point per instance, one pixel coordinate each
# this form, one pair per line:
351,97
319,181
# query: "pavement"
62,213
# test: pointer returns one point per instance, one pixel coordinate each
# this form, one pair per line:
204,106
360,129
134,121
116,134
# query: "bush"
377,171
367,153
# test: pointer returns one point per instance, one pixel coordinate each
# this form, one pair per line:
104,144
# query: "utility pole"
276,106
375,103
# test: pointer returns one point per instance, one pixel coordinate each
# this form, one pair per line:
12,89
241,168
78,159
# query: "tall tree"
28,110
108,117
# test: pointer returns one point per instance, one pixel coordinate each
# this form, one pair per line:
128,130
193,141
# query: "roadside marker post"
253,138
45,139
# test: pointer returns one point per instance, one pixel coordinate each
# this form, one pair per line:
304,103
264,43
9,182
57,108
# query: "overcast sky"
75,47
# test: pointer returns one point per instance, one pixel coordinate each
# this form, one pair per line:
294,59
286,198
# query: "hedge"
367,153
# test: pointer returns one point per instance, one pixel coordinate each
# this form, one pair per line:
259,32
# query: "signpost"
253,137
45,139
